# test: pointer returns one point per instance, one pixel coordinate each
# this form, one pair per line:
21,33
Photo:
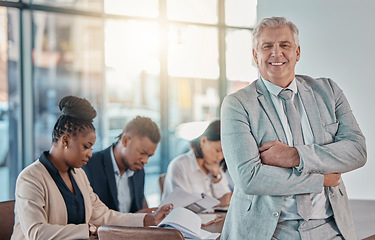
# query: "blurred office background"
170,60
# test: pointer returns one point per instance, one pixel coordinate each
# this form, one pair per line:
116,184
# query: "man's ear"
255,57
298,53
125,140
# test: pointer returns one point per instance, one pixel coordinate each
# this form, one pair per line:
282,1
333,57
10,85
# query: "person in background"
116,174
224,167
54,199
198,171
287,139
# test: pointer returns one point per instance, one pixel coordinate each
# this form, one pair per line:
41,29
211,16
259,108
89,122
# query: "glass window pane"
9,101
193,83
67,60
201,11
132,73
86,5
144,8
193,51
192,103
241,13
239,59
132,85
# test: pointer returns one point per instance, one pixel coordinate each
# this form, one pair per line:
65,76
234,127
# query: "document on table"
195,203
188,223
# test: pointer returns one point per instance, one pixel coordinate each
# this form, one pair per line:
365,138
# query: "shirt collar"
193,164
50,167
128,172
275,90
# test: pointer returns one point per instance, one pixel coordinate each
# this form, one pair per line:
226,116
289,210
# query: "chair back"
161,182
6,219
108,232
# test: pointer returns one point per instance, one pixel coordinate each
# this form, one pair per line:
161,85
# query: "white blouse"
185,173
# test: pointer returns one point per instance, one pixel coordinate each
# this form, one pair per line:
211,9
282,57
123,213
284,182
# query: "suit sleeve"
242,156
345,147
102,215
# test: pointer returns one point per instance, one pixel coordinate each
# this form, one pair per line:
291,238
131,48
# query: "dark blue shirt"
74,202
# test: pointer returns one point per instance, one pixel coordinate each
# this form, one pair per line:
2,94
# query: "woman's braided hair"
77,115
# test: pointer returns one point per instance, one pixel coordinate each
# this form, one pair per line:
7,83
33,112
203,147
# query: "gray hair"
274,22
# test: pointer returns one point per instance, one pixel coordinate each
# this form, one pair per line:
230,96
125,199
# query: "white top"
185,173
320,204
123,190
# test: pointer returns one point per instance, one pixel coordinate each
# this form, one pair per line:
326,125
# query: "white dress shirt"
321,206
122,182
185,173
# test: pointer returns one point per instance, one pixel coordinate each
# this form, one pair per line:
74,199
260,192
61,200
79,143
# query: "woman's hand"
147,210
154,218
214,169
93,229
225,200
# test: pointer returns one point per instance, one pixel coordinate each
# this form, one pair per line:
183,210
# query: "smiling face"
78,150
136,151
276,55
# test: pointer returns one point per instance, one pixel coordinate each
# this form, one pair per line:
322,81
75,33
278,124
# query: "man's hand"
278,154
154,218
331,179
225,200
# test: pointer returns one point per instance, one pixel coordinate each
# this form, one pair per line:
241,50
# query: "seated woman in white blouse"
198,171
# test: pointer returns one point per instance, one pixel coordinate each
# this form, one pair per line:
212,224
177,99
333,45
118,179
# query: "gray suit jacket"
249,119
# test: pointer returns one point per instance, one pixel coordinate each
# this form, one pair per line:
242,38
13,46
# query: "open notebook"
197,204
188,223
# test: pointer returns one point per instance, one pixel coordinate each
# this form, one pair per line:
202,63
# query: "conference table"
215,227
218,227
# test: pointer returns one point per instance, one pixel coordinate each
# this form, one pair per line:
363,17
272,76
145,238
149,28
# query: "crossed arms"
262,165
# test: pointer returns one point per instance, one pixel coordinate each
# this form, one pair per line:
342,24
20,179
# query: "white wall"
337,40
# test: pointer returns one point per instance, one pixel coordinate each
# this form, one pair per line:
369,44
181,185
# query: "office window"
86,5
170,60
143,8
200,11
193,70
9,100
67,60
240,13
193,51
132,78
240,68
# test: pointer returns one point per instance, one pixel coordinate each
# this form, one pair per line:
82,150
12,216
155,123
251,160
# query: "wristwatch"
92,229
217,176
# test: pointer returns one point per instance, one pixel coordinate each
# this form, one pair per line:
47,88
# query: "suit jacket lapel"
266,102
108,168
312,110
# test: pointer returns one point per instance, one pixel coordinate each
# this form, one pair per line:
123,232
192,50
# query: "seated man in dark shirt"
116,174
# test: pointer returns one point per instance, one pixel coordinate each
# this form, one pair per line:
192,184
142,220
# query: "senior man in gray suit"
287,139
